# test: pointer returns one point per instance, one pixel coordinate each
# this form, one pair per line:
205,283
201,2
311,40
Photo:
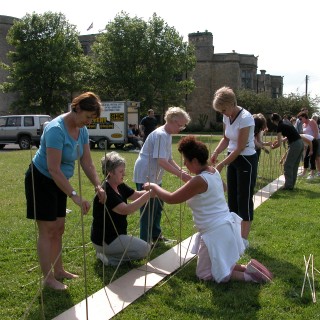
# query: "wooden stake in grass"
306,276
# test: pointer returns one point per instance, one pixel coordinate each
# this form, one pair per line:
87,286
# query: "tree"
289,104
143,61
47,63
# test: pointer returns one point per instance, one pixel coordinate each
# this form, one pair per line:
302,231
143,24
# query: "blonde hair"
174,113
222,97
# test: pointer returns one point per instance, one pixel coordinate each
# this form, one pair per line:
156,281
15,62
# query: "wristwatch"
73,193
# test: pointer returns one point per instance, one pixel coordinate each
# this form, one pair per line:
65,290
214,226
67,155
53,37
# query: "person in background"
298,124
133,139
109,226
286,132
309,126
286,119
315,117
148,124
260,126
64,140
309,160
218,243
241,161
154,159
136,131
293,121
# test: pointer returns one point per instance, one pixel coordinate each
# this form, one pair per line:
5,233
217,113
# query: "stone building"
212,71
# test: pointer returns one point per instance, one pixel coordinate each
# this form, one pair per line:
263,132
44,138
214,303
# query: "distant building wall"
224,69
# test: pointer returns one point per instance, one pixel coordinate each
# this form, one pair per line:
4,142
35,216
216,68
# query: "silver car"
24,130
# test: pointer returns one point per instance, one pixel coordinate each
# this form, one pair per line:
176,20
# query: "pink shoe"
258,272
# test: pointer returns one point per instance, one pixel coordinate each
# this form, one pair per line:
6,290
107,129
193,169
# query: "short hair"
150,110
275,117
224,96
192,148
111,161
303,114
87,101
174,113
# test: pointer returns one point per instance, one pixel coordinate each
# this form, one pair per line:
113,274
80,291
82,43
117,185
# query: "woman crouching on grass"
220,243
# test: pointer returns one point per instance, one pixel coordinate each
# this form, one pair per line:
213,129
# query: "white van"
112,126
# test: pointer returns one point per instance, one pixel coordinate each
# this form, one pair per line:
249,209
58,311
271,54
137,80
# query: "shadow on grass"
108,273
54,303
186,295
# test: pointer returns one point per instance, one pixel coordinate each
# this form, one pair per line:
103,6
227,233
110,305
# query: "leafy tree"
289,104
143,61
47,63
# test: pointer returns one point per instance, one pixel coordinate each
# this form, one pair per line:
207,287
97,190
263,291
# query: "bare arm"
90,171
193,187
223,144
314,127
54,162
309,143
278,142
141,197
172,167
241,144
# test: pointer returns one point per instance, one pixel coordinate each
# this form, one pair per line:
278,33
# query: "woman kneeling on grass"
109,226
220,243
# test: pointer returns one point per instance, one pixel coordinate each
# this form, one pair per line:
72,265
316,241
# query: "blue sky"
283,34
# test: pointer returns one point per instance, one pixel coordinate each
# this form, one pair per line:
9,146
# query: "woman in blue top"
64,140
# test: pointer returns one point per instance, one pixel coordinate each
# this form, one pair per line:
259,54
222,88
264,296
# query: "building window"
246,79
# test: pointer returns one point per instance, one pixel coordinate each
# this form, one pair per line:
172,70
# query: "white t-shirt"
244,119
157,146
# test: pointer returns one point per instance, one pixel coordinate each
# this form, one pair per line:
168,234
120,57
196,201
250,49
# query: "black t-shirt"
289,131
118,224
149,124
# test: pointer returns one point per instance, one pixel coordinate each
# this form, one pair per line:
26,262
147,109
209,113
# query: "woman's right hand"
148,186
214,158
83,204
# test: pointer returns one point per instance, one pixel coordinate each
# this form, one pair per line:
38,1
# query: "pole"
307,78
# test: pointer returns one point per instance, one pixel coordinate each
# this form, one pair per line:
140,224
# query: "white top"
219,228
158,145
307,129
209,208
244,119
308,137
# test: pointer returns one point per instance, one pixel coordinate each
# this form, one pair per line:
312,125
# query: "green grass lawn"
285,228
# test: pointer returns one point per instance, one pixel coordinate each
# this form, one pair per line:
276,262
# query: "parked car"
24,130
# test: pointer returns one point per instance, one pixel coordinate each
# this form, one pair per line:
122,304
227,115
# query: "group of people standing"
223,227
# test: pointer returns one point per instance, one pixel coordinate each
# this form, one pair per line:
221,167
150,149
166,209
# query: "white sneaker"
310,177
301,174
103,258
318,174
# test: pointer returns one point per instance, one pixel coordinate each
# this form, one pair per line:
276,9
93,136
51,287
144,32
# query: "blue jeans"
150,218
